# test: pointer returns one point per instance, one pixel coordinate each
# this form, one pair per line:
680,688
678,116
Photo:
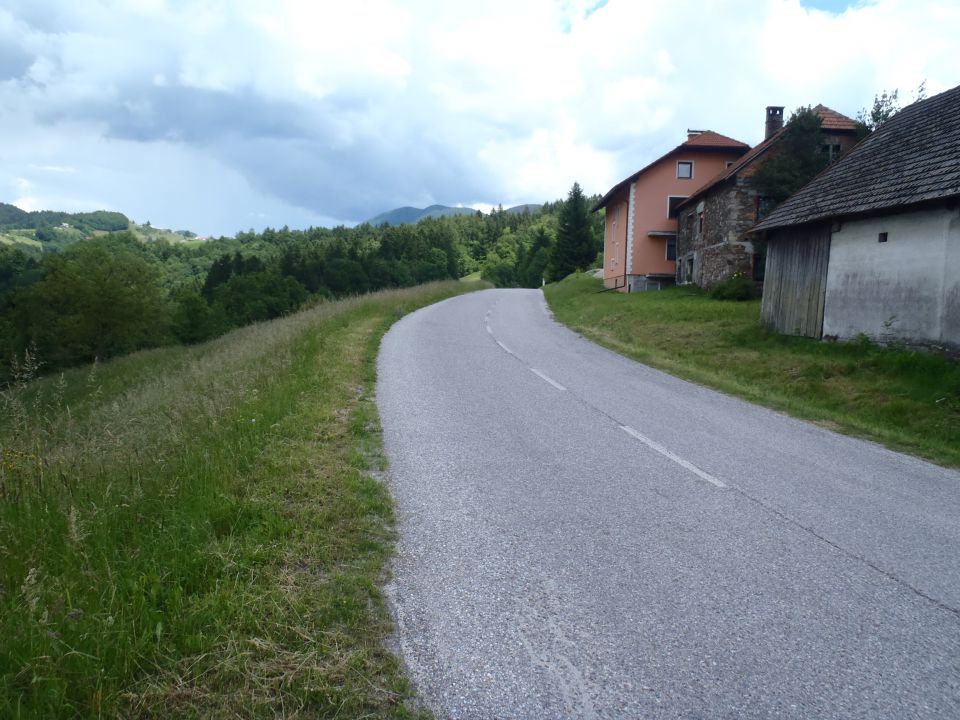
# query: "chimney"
691,134
774,120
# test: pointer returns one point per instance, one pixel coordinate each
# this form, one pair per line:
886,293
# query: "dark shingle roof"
706,140
830,120
912,158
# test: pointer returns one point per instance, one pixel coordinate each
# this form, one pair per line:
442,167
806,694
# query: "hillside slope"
195,531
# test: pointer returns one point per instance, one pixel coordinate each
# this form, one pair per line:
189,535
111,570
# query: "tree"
256,296
194,319
96,300
576,246
532,264
794,161
885,106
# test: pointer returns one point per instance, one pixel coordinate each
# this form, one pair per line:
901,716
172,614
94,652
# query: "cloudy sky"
222,115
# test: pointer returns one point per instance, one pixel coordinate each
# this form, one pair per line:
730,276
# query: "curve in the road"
583,536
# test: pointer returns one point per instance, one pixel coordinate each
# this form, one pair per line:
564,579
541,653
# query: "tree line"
112,293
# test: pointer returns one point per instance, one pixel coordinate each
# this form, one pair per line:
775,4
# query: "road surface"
582,536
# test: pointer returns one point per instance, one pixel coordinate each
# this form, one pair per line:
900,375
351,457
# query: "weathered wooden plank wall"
795,282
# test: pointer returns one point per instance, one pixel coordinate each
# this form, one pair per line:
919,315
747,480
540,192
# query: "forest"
107,292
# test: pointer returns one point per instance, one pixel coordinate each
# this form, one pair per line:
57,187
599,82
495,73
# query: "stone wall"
711,254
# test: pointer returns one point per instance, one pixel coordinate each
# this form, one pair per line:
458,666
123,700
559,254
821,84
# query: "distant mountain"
521,209
399,216
412,215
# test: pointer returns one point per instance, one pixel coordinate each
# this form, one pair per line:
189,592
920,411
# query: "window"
700,222
685,169
764,206
672,202
882,237
671,248
831,152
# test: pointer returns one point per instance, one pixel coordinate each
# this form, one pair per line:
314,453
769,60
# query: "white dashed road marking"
550,380
653,445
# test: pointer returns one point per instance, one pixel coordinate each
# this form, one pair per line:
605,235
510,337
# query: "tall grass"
907,400
195,531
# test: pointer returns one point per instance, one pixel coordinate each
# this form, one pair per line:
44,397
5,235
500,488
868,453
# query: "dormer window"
685,169
831,151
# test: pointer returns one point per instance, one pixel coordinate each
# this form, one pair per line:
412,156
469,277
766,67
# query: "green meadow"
199,531
909,401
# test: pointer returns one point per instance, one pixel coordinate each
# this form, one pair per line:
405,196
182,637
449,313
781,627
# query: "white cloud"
209,114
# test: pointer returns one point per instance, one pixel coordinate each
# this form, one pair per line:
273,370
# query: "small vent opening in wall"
882,237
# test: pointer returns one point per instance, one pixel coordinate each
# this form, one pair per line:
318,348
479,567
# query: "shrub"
501,275
737,287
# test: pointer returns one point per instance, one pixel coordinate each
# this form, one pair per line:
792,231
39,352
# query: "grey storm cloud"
358,181
192,115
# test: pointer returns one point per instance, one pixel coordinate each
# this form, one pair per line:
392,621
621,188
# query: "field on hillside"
25,239
195,531
22,239
148,233
905,400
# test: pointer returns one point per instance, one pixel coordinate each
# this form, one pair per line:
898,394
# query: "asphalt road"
583,536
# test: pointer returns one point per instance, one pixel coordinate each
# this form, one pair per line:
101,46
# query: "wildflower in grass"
30,588
73,526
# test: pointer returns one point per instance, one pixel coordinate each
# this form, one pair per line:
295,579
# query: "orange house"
640,228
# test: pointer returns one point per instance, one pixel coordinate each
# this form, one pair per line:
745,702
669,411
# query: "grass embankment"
194,531
907,401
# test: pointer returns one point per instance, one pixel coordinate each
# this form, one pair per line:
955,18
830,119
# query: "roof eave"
948,201
682,147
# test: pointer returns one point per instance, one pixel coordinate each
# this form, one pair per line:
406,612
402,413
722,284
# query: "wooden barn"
871,246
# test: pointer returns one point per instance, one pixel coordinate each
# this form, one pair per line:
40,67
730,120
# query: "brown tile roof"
707,140
829,119
832,120
913,158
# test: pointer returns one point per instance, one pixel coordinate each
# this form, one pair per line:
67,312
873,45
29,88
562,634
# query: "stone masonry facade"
712,240
713,223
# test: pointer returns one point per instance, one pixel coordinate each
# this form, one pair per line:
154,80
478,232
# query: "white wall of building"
907,288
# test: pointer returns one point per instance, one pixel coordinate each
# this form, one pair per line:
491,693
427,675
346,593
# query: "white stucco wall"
907,288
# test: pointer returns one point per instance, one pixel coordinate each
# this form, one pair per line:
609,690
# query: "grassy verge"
908,401
195,531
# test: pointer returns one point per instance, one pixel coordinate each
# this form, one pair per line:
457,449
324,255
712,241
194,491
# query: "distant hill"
13,218
521,209
411,215
52,230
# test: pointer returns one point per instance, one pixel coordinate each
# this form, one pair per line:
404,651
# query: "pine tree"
796,160
576,247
